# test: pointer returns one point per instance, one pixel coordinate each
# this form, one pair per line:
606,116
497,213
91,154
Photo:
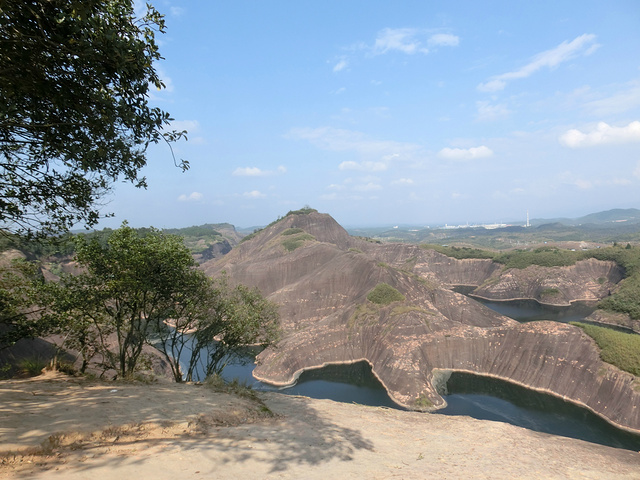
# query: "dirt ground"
57,427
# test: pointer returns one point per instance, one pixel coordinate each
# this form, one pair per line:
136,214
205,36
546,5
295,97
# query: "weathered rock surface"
321,277
587,280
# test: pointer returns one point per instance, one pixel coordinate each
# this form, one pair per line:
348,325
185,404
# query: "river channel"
471,395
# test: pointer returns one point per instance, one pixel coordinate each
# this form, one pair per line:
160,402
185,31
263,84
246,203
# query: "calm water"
475,396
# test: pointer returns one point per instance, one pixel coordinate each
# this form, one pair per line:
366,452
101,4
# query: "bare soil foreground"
57,427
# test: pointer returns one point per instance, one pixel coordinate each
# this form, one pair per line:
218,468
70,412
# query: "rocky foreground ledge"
66,428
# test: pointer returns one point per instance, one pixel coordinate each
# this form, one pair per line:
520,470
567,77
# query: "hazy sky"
379,113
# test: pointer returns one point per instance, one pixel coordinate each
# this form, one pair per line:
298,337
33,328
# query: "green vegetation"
296,239
384,294
364,315
617,348
625,299
459,252
75,78
423,402
550,292
543,256
306,210
303,211
31,367
145,289
292,231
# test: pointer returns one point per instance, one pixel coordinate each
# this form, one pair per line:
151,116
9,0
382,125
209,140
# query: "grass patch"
296,240
384,294
549,292
401,309
292,231
365,314
460,253
423,402
617,348
31,367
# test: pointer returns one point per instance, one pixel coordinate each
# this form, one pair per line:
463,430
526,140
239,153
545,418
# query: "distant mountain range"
615,216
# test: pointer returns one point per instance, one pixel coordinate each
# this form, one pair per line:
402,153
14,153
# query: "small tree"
19,310
237,317
146,289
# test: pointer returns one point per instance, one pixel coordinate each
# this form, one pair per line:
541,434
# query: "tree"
145,288
19,308
237,317
74,107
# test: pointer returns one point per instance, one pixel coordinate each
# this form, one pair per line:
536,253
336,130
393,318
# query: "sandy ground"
58,427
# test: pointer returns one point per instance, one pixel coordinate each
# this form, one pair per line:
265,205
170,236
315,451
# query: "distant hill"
618,225
616,215
208,241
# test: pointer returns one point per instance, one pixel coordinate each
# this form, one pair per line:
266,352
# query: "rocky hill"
344,299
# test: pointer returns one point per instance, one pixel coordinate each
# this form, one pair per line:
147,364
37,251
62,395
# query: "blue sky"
381,113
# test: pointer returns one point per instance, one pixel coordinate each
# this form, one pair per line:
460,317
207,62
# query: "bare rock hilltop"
343,299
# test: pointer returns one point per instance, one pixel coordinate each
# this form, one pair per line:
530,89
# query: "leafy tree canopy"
74,111
142,288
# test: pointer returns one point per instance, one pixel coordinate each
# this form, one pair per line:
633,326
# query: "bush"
31,367
384,294
292,231
296,240
617,348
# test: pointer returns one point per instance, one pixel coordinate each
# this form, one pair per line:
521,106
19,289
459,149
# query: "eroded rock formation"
320,276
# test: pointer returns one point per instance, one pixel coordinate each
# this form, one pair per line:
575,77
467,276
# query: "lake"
471,395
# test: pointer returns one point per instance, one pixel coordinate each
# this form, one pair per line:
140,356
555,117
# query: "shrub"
296,240
384,294
292,231
31,367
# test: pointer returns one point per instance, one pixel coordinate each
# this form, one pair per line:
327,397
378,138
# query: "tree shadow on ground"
138,422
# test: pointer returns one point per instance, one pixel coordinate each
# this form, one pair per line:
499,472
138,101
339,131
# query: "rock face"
320,276
587,280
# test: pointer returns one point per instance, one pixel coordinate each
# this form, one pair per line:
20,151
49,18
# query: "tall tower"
528,224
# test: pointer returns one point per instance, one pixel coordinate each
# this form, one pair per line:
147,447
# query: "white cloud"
636,172
488,112
256,172
190,126
403,181
410,41
602,134
176,11
334,139
367,187
584,44
363,166
254,194
620,102
465,153
341,65
192,197
400,39
582,184
444,39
